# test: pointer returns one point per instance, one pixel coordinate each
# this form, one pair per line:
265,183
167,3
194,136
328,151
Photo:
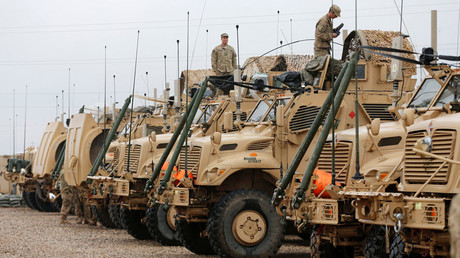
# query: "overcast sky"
42,39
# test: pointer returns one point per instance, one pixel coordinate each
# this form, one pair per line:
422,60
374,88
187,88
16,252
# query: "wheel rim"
171,218
249,228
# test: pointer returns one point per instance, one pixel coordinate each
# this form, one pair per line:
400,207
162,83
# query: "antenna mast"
25,126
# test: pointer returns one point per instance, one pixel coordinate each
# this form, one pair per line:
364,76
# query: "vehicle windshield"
450,93
199,112
259,111
272,114
125,129
425,94
207,114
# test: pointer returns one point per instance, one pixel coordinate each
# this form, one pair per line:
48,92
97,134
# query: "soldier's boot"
79,220
63,219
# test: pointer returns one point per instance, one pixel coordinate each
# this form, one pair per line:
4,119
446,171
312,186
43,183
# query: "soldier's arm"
322,31
214,59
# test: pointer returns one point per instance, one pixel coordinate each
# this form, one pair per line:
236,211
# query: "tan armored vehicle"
359,199
87,146
231,169
125,184
36,180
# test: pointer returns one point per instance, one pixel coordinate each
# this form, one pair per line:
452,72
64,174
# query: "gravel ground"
29,233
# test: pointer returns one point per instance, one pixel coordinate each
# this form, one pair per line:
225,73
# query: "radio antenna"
238,44
132,102
25,126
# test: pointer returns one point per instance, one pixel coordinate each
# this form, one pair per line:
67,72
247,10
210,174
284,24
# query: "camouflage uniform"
89,218
322,47
454,227
223,60
69,196
323,36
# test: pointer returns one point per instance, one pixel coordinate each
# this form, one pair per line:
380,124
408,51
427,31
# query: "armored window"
425,94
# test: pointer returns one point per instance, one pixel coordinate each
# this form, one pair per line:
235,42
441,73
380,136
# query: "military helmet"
335,9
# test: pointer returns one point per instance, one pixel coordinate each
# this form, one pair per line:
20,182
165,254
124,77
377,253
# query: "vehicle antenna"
25,126
105,96
357,175
178,70
332,106
132,103
186,99
238,45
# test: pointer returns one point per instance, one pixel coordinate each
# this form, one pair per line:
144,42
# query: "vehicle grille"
342,156
259,145
133,159
193,159
379,111
418,170
303,118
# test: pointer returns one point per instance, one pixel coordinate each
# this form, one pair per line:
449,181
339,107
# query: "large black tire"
25,199
189,235
318,249
114,214
397,248
375,242
31,200
243,223
132,222
102,215
58,203
159,225
43,202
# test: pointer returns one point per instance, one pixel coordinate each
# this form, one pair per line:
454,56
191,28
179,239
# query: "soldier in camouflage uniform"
454,227
324,33
323,37
223,57
69,196
89,217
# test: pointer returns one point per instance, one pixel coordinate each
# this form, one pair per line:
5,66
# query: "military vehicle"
243,166
88,144
373,196
34,176
126,179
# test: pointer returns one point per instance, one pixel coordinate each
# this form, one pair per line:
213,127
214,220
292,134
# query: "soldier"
69,196
324,33
223,57
87,214
454,227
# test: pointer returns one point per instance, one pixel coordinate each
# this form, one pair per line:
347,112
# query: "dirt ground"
28,233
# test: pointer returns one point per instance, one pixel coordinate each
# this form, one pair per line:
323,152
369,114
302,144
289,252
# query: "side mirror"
216,138
408,116
228,121
375,126
153,136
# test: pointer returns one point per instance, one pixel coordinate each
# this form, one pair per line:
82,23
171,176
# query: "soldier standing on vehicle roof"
324,32
223,57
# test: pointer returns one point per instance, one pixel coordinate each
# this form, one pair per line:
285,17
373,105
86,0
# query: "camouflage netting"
275,63
260,65
384,39
194,77
10,200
